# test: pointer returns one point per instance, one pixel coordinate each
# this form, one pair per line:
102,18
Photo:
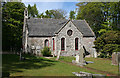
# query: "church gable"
69,39
69,29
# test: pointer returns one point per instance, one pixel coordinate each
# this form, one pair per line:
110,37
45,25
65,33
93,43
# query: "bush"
110,48
108,43
46,51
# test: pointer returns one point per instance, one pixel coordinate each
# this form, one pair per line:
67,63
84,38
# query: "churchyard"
41,66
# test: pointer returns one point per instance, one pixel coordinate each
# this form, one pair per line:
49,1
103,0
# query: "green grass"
102,64
37,66
99,64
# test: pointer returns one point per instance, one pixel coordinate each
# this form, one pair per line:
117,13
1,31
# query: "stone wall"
38,41
88,44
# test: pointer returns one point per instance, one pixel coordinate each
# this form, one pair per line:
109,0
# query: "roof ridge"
46,18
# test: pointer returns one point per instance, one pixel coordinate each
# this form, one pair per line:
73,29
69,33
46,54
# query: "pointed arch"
53,44
46,43
76,43
62,44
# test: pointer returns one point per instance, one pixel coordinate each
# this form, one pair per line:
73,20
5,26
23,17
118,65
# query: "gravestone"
33,49
77,59
119,62
58,55
38,52
115,58
20,54
80,58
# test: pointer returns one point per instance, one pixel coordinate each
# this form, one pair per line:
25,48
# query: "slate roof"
48,26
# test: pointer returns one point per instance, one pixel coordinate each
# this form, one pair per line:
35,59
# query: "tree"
12,23
107,43
72,15
104,28
41,15
100,15
57,14
92,13
32,11
48,14
114,15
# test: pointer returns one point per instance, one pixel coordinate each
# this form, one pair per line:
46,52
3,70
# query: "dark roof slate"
48,26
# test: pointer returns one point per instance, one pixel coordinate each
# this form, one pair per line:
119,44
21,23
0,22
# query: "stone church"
67,36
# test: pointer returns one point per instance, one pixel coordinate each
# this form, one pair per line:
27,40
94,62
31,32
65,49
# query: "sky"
43,6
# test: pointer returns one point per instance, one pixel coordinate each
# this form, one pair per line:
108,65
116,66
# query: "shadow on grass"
12,64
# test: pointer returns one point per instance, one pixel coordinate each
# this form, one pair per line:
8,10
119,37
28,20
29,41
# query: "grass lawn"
37,66
103,65
99,64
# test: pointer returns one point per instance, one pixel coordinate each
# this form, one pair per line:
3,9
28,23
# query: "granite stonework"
88,44
69,40
38,43
34,35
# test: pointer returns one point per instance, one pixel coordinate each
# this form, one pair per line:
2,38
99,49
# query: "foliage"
92,13
12,23
56,14
46,51
72,15
104,20
100,16
32,11
108,49
105,27
107,43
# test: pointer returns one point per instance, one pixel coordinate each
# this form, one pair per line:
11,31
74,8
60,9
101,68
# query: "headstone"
119,62
38,52
77,58
89,62
115,58
95,54
21,54
58,55
33,49
80,57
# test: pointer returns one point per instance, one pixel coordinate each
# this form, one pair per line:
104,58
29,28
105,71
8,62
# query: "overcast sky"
43,6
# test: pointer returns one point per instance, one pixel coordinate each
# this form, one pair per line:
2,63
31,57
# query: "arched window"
53,44
46,43
76,43
62,44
